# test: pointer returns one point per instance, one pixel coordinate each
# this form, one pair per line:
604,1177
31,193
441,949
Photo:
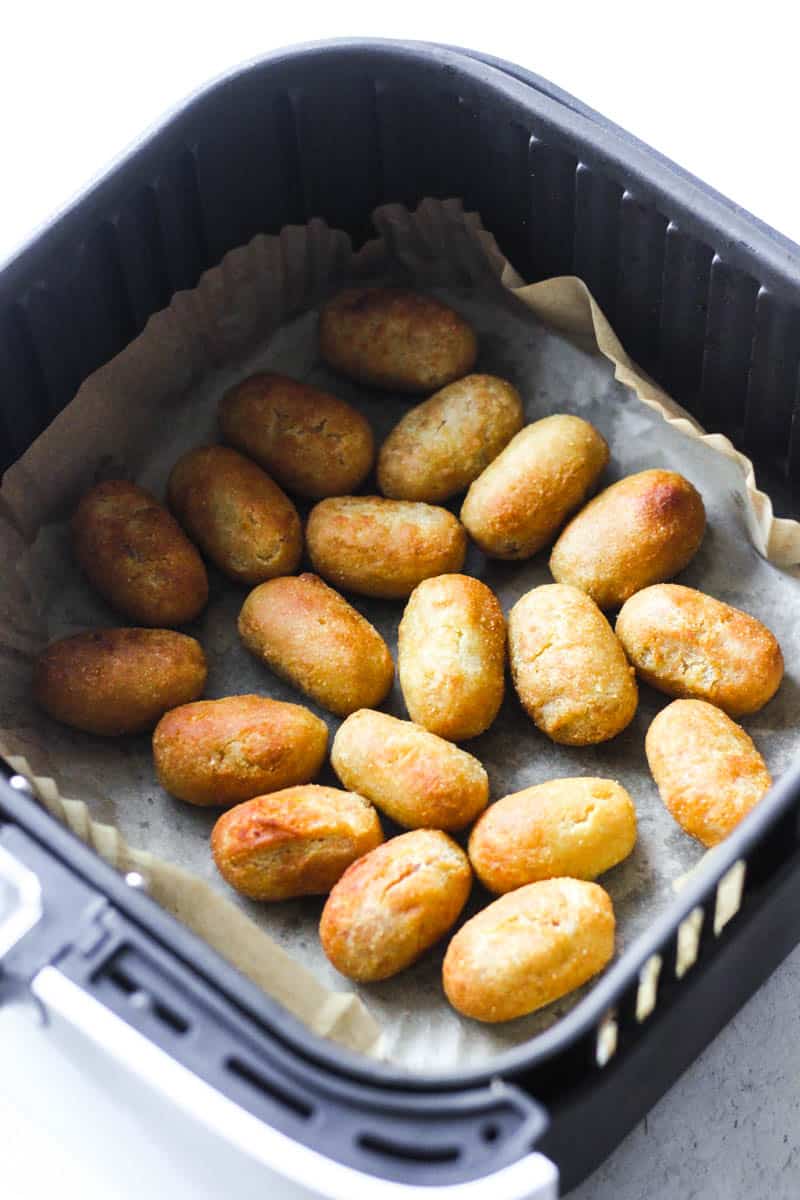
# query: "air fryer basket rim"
537,82
655,171
780,266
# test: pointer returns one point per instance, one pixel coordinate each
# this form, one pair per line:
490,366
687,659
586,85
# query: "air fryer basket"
703,296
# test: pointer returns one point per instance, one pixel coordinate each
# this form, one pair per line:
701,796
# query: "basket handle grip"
228,1133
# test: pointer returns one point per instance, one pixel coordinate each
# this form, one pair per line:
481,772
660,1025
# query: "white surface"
713,86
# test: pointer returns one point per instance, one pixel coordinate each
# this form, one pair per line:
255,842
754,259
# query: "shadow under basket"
702,295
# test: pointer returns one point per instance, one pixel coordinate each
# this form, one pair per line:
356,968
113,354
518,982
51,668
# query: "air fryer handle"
235,1143
531,1178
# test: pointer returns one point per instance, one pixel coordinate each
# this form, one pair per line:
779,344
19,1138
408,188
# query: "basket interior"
712,317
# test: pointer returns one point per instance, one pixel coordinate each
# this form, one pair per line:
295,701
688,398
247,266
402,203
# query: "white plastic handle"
531,1178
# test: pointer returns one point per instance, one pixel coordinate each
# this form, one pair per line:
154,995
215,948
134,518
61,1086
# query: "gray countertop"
729,1129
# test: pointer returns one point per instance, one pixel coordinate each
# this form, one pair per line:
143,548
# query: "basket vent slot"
689,932
607,1039
647,992
408,1152
254,1078
729,895
168,1016
121,980
142,998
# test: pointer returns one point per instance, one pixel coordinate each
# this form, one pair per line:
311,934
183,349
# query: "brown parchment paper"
138,413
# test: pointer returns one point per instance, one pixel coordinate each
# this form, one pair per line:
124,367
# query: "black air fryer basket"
703,296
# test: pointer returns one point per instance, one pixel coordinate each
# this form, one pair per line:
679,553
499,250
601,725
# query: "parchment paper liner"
109,429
